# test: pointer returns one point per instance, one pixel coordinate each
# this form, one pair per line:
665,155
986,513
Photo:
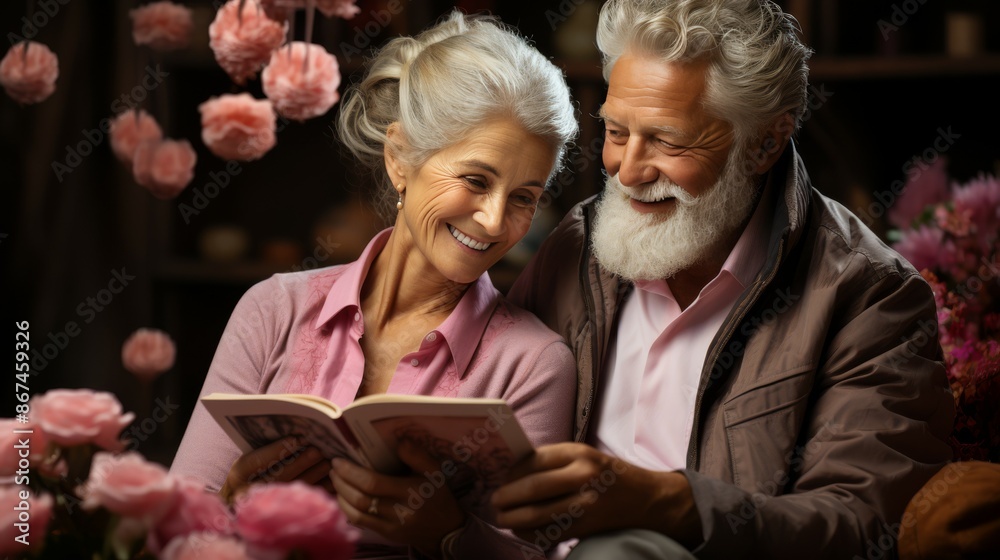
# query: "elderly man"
759,375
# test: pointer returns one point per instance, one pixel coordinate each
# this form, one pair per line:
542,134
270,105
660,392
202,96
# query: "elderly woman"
463,126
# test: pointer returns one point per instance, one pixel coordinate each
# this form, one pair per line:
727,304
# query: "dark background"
881,101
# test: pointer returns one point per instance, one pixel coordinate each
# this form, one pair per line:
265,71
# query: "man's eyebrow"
663,129
603,115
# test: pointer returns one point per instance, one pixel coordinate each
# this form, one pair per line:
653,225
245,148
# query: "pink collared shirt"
646,406
299,332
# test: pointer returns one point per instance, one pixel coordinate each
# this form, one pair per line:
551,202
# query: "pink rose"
291,516
238,126
32,78
165,168
10,456
299,90
79,416
330,8
194,510
12,505
128,485
205,545
164,26
243,41
131,128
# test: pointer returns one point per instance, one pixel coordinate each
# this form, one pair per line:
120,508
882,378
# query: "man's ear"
773,143
395,143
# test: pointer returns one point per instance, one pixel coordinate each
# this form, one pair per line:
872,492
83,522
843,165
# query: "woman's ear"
394,145
773,143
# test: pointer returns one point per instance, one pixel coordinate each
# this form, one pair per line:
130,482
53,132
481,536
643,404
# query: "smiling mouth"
468,241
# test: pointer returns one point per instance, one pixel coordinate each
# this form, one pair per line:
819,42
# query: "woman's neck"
401,283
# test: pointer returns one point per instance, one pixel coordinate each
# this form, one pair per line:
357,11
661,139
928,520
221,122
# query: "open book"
477,440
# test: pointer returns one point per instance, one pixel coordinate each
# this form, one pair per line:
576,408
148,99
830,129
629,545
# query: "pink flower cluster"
164,26
302,80
955,242
28,72
173,517
164,167
148,352
243,38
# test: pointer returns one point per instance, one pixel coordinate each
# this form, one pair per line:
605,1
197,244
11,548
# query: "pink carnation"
79,416
148,352
194,510
164,26
32,78
926,248
38,507
131,128
923,188
128,485
243,41
205,545
330,8
11,448
302,81
282,517
165,168
238,126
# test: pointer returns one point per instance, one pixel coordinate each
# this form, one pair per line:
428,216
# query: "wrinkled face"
657,130
467,205
676,188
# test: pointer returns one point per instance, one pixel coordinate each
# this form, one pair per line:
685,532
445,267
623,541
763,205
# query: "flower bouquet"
71,491
951,233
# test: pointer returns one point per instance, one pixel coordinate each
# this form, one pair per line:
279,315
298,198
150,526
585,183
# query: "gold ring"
373,507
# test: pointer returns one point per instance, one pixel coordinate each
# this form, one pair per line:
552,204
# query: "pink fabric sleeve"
206,452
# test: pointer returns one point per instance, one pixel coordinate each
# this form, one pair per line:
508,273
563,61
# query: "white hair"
757,65
443,83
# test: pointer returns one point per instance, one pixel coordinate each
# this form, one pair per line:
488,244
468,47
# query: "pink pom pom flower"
238,126
165,168
148,352
79,416
29,78
131,128
302,80
243,41
330,8
164,26
282,517
128,485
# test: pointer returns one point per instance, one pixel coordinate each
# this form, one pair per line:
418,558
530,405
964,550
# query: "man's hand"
385,503
283,460
581,492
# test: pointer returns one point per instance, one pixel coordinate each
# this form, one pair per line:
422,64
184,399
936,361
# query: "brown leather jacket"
823,405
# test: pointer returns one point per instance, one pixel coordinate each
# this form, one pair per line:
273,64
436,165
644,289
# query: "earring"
399,203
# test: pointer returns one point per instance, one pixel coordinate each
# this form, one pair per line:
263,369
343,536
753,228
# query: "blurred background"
88,257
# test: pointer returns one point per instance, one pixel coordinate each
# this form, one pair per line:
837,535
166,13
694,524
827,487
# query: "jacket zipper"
592,315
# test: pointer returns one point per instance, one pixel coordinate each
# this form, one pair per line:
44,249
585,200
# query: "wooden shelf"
867,68
192,271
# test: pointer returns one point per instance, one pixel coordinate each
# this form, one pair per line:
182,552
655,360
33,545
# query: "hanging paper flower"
301,80
148,352
330,8
131,128
165,167
238,126
243,41
29,77
164,26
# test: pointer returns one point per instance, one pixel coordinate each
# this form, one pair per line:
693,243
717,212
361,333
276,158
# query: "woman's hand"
417,509
284,460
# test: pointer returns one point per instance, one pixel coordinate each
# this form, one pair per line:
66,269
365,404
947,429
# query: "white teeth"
468,241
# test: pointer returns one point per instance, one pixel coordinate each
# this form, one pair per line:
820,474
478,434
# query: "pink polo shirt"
646,404
299,333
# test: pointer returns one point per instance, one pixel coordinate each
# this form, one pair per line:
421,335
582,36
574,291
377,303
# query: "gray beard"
638,246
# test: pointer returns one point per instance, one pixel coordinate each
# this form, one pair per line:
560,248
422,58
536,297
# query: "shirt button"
357,316
414,362
432,337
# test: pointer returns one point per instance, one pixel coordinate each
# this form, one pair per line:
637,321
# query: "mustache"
662,189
